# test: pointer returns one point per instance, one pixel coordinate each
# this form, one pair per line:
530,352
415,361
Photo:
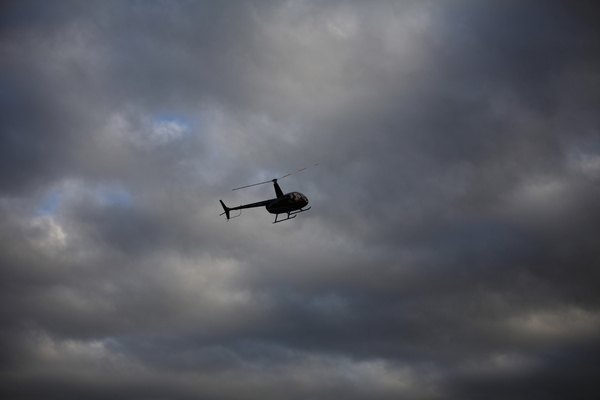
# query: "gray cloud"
450,251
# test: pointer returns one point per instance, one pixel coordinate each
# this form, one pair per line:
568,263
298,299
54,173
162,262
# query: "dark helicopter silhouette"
290,203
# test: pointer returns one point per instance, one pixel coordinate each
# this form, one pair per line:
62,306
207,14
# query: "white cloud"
52,236
143,131
556,325
500,364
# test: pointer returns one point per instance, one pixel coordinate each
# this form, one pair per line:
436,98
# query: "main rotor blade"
272,180
300,170
254,184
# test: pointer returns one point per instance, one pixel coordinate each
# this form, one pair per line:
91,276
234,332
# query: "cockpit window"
297,197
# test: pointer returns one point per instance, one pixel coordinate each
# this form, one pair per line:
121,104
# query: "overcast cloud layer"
452,249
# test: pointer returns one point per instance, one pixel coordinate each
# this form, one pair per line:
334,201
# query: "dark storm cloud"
451,250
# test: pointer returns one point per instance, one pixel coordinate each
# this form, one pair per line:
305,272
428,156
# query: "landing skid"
289,215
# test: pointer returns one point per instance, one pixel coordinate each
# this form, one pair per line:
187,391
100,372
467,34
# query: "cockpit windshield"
299,197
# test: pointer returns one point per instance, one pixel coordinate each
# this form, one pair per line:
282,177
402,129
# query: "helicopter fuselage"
287,203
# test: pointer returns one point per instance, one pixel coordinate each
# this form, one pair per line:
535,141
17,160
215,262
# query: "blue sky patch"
113,197
50,204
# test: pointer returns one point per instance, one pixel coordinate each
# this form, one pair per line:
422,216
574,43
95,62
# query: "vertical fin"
225,208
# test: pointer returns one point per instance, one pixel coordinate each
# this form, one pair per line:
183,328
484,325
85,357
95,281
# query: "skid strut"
289,215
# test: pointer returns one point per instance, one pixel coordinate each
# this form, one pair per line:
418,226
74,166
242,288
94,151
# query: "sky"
451,251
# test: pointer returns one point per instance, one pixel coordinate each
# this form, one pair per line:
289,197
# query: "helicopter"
291,203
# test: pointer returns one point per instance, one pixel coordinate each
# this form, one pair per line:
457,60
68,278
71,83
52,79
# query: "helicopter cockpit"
297,197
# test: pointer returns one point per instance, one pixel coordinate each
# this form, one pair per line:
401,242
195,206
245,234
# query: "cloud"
450,251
